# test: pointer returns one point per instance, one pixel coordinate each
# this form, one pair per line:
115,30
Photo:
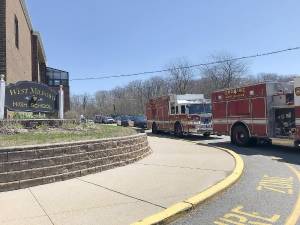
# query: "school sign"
27,96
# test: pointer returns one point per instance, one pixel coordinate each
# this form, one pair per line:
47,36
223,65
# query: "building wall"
2,37
18,61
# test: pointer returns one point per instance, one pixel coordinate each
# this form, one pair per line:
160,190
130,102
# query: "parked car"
98,119
108,120
118,120
123,121
138,121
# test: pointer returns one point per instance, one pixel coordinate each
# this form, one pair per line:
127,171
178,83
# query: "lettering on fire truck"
265,112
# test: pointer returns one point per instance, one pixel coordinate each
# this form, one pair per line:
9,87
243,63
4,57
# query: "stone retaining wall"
22,167
33,123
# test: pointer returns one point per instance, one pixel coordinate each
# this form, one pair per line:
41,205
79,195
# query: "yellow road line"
178,209
294,216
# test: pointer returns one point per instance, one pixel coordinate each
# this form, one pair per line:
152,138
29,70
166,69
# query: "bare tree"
180,77
156,86
225,74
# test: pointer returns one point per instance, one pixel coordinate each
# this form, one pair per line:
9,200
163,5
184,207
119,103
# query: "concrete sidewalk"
174,172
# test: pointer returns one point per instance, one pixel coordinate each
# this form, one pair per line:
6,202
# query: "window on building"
56,77
183,109
16,32
172,108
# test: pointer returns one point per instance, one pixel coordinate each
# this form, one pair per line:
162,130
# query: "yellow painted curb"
294,217
174,211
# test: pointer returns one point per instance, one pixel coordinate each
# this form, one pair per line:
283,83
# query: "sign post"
61,102
2,96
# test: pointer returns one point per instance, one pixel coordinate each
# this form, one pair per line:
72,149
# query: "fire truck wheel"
240,136
154,128
297,145
206,134
178,130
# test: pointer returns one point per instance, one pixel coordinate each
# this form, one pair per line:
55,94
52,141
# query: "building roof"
25,11
28,20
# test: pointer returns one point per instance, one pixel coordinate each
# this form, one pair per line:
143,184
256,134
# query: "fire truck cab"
180,114
266,112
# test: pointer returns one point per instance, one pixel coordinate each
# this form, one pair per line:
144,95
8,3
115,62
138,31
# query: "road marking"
276,184
180,208
294,216
238,217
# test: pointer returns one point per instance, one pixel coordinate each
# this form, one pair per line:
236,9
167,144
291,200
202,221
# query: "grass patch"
65,134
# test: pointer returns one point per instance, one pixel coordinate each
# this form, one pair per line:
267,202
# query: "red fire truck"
180,114
266,112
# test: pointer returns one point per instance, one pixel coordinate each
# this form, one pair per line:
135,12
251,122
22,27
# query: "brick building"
22,55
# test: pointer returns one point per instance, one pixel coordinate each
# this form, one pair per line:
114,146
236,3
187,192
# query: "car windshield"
199,108
140,118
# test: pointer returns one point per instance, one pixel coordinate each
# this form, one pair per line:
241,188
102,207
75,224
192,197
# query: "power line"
189,67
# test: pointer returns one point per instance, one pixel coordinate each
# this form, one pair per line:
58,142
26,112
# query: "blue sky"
97,37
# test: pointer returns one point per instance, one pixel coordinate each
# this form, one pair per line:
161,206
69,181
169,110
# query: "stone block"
52,179
98,169
84,172
91,147
9,186
91,170
29,155
3,157
50,171
36,163
58,151
3,177
11,166
70,175
24,165
31,182
37,173
58,160
72,150
13,176
82,165
45,153
2,168
100,154
68,160
14,156
72,167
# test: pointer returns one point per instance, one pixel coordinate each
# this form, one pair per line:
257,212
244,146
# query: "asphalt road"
267,194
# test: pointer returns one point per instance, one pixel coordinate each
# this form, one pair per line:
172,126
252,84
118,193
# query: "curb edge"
178,209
